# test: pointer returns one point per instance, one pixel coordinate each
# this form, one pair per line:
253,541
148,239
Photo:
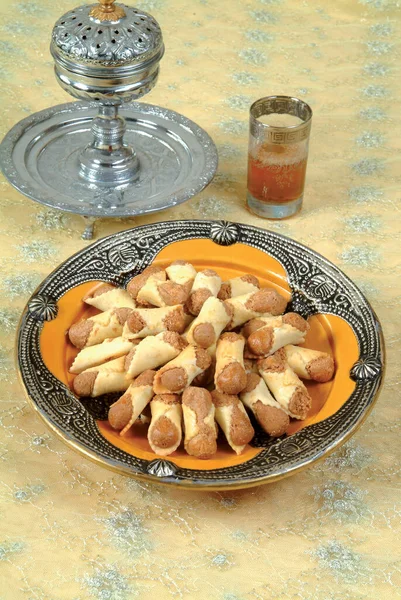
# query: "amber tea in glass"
278,154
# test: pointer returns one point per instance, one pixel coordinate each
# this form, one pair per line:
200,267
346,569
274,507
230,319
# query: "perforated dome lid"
97,38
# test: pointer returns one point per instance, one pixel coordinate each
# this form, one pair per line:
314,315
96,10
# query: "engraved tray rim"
114,257
31,188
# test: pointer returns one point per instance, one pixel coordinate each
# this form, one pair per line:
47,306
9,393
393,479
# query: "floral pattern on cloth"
74,531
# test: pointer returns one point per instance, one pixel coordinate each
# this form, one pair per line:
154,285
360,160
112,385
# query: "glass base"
273,211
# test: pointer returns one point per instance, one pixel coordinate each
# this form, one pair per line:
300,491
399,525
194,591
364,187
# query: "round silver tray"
39,156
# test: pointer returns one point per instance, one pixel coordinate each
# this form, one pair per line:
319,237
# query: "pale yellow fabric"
72,530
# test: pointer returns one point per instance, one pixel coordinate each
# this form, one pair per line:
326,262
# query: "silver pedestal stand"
107,156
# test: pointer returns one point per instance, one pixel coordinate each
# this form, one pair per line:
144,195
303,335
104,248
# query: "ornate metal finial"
106,11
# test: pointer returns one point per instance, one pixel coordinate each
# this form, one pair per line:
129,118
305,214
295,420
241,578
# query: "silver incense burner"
107,155
108,54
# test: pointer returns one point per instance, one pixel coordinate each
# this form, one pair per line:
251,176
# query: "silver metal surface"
107,159
282,105
40,156
108,53
111,59
91,47
110,89
89,231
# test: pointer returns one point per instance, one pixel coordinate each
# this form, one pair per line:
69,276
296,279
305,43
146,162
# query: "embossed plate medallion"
40,157
341,320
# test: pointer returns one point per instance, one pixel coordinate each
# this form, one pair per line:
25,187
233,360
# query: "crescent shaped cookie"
254,324
108,324
124,412
310,364
179,373
264,302
151,321
100,354
165,430
205,330
207,283
268,412
153,351
276,333
199,425
162,293
285,385
230,374
231,415
238,286
103,379
106,296
182,273
137,282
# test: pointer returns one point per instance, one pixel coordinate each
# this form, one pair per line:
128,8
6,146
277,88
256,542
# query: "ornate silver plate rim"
30,187
317,286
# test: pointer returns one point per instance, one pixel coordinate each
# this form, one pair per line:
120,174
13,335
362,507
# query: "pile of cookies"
198,351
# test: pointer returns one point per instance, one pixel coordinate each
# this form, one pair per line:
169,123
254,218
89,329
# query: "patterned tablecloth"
72,530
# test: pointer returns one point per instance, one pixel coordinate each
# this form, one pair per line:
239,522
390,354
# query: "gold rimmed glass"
278,153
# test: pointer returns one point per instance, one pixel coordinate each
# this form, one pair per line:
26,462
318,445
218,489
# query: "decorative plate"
177,160
341,322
